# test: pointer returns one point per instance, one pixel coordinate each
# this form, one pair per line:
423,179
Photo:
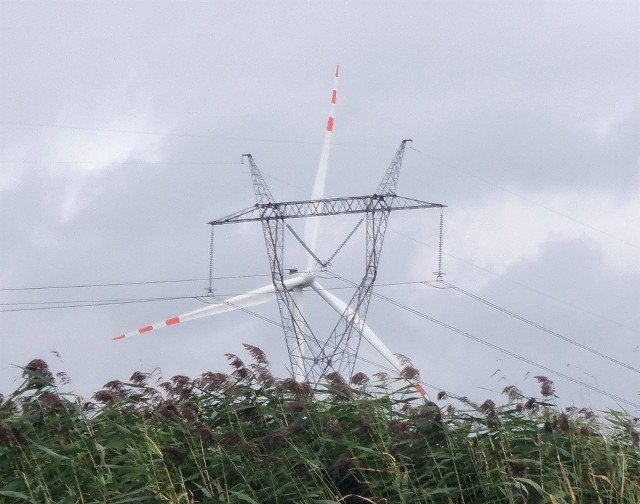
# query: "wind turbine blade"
367,333
297,358
252,298
311,227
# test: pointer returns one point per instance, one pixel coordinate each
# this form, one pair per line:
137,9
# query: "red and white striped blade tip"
142,330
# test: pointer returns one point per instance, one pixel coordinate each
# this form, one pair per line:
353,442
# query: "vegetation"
246,437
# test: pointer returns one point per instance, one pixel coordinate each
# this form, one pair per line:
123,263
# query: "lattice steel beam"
324,207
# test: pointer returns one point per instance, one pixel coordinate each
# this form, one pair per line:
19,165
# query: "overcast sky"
122,125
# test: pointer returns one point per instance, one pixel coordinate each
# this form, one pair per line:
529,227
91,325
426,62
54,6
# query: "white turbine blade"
297,361
367,333
252,298
311,226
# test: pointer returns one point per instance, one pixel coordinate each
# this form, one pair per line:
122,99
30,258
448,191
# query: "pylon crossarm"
323,207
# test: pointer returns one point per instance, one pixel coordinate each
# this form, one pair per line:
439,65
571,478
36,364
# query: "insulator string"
439,273
210,289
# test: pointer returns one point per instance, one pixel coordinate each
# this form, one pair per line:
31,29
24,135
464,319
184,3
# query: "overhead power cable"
122,163
519,284
244,310
208,136
120,284
498,348
82,304
540,327
52,305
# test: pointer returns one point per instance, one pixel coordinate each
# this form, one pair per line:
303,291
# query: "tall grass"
247,437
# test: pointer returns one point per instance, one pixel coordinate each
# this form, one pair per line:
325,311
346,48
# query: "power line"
133,163
154,282
52,305
247,311
519,284
541,327
147,133
120,284
91,304
97,301
389,300
498,348
207,136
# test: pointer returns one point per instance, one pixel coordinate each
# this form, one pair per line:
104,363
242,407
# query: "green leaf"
206,492
50,452
531,483
244,497
15,495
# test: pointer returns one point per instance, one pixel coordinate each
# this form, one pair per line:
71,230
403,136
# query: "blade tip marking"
330,124
122,336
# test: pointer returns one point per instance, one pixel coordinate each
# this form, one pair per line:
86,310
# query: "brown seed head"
588,414
342,464
295,428
139,377
115,385
381,376
173,455
10,436
212,381
105,396
488,406
167,410
359,379
38,366
50,400
234,361
512,392
204,432
334,429
398,426
277,438
258,355
547,388
532,405
335,378
295,407
410,373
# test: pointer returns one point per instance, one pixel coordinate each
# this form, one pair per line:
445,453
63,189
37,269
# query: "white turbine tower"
312,357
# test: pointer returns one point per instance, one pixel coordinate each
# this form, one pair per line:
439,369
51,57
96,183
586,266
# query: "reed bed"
247,437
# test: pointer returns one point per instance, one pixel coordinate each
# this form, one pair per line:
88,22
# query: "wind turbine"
313,357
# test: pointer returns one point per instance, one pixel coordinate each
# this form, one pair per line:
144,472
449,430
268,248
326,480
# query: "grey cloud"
531,97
